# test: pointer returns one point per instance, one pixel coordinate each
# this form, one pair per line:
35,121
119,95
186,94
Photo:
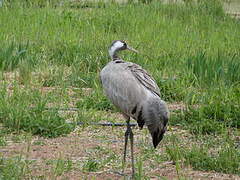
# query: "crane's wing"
144,78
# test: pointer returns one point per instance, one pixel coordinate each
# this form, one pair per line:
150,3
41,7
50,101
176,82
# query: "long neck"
113,54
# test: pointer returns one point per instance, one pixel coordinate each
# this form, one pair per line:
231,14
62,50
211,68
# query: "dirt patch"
176,106
103,145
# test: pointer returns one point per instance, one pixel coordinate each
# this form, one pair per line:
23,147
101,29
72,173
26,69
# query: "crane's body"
122,88
124,84
130,88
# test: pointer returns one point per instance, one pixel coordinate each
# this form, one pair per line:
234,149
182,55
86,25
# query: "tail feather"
140,119
157,136
156,117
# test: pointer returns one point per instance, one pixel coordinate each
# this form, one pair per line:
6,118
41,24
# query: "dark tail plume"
156,117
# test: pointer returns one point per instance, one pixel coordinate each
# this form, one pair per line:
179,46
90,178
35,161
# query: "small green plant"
175,153
140,170
3,141
91,165
39,143
61,166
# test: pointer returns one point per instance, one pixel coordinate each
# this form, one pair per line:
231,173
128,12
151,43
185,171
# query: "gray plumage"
136,94
130,88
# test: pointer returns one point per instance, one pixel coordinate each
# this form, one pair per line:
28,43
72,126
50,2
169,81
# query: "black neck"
115,57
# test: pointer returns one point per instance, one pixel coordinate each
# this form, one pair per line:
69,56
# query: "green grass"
205,156
15,168
96,100
214,71
91,166
227,160
215,113
192,50
3,141
61,166
26,110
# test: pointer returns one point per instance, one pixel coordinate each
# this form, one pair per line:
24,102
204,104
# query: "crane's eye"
125,44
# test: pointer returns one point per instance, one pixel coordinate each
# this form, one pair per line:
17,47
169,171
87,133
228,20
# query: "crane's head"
118,45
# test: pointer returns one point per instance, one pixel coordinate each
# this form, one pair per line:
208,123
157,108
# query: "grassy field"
51,54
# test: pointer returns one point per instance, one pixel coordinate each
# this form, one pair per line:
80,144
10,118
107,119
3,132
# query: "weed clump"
210,119
12,54
227,160
24,112
91,166
14,168
204,156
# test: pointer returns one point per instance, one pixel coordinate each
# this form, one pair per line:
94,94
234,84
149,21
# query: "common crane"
131,89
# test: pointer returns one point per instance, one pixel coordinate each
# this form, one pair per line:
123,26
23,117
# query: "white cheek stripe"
115,46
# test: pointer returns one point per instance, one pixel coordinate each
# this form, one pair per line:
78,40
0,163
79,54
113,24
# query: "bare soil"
94,142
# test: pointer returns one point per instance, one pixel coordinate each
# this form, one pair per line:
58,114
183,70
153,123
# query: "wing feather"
144,78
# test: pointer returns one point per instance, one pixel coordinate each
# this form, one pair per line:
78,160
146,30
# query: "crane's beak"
131,49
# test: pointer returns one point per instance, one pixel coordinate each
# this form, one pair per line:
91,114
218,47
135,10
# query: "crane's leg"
131,141
127,134
126,141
